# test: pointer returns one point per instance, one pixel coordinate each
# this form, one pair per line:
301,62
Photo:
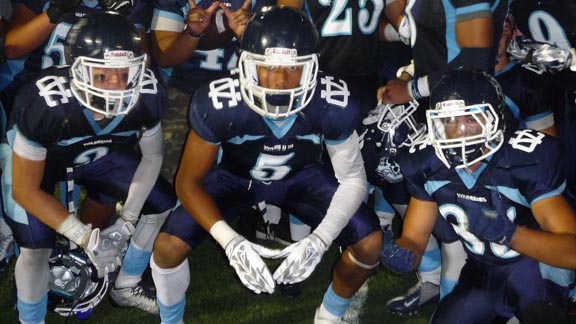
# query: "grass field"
215,296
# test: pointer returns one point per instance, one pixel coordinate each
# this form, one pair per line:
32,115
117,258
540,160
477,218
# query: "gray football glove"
545,56
104,256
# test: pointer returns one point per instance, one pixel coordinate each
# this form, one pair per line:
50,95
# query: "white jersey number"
335,26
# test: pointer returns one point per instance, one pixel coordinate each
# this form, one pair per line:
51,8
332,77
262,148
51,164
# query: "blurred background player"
269,122
495,192
80,124
194,42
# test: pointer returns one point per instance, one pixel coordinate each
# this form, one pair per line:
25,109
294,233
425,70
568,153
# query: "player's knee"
368,249
169,251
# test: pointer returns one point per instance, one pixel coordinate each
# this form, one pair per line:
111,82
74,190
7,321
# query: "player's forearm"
21,40
348,168
198,203
554,249
146,173
171,48
26,191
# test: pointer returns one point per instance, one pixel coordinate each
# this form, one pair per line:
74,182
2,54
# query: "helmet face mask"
464,135
108,64
397,122
89,76
277,103
278,64
466,118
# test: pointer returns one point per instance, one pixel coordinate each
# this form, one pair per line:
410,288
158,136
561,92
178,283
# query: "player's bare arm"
419,221
26,178
197,159
556,245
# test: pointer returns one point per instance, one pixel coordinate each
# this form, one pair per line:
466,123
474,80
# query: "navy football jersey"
433,24
203,65
529,93
524,170
264,149
47,113
348,32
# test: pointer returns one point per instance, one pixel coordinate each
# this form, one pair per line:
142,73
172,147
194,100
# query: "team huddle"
466,145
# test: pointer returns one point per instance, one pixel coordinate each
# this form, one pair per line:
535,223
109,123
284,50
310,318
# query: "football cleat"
279,233
419,295
135,296
291,291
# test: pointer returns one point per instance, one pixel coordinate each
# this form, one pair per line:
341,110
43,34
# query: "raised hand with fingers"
238,19
198,18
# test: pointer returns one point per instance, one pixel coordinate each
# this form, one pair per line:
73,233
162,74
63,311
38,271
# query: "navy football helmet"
102,46
74,287
278,37
389,128
466,117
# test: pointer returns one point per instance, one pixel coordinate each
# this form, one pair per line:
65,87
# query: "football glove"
118,235
395,258
373,115
244,257
102,253
545,56
490,225
120,6
58,8
302,258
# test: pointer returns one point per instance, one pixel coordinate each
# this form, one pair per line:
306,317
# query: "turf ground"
215,296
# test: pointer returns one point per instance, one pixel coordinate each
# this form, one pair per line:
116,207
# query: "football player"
390,132
500,194
270,121
97,124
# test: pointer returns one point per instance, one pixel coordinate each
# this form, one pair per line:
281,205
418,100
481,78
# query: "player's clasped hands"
301,259
245,258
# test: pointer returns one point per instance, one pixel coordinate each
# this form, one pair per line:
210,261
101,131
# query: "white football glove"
118,235
302,258
244,257
104,256
373,115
